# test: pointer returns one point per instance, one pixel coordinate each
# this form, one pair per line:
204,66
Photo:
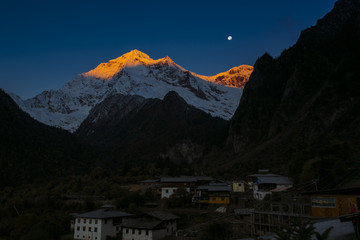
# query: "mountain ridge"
133,128
299,113
134,73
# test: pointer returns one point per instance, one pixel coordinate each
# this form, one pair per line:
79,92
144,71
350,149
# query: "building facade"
213,194
264,184
98,224
151,226
334,203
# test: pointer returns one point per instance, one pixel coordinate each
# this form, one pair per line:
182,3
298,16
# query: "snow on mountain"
235,77
134,73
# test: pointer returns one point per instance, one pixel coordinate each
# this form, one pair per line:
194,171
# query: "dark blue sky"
44,44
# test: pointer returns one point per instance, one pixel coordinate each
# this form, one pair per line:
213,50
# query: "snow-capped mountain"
134,73
235,77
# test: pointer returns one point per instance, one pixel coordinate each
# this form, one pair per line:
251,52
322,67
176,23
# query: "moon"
229,38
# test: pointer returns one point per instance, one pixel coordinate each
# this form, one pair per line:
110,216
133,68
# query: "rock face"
132,128
135,73
300,113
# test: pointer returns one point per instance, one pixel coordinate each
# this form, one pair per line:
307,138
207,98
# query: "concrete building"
265,184
99,224
150,226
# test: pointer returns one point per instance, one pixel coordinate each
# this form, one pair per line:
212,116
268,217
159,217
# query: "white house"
99,224
265,184
169,185
151,226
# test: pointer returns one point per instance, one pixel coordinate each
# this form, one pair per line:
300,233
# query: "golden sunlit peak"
167,59
136,54
131,59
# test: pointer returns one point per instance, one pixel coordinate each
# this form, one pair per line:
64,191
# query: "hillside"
300,113
31,151
136,130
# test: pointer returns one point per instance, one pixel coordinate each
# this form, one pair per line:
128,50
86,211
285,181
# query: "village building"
239,186
171,184
150,226
167,186
99,224
266,183
334,203
214,193
268,217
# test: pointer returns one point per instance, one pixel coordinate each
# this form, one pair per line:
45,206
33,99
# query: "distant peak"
234,77
136,54
168,60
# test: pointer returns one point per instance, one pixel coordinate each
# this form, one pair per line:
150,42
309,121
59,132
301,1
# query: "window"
147,232
167,191
139,231
90,221
84,228
222,198
84,220
95,221
174,190
133,231
78,220
95,229
127,230
89,229
105,221
78,228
